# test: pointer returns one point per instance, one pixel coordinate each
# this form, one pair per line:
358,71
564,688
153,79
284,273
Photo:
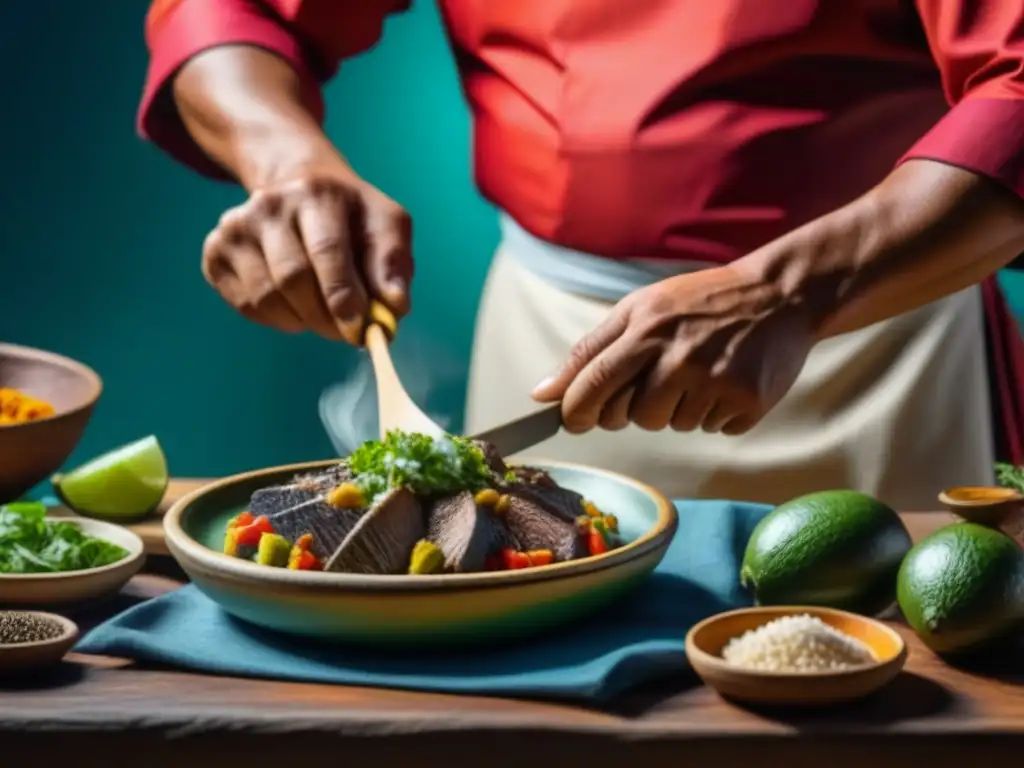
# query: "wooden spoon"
394,406
397,410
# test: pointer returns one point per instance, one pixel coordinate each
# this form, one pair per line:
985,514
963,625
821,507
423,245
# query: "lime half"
124,484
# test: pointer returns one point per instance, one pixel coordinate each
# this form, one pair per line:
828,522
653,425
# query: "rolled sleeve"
979,48
186,28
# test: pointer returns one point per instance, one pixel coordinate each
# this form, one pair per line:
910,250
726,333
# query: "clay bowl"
77,588
414,611
31,452
705,641
986,505
21,659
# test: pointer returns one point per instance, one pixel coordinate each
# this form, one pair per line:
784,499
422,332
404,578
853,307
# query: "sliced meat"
382,540
465,533
328,525
534,476
325,479
561,502
494,459
270,501
536,528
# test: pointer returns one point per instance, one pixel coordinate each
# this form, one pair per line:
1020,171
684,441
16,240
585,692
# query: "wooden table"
110,712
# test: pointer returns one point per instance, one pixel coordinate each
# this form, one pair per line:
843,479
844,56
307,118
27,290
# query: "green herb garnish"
29,543
1010,476
425,465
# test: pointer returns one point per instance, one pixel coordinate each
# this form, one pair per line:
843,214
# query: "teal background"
100,237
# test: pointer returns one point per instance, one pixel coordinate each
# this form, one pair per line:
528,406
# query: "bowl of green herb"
59,561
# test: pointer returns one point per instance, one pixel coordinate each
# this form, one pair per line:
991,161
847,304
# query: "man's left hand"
714,349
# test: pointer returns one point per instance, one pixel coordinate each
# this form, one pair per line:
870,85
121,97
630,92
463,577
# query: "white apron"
899,410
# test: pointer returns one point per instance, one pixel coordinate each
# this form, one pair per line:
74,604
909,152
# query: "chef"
748,244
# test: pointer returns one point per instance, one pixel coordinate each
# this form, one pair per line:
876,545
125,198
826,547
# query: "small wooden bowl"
27,658
993,506
704,644
31,452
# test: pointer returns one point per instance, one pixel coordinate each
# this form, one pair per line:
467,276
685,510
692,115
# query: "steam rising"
348,409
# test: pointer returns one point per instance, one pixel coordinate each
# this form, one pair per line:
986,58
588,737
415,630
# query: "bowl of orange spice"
46,401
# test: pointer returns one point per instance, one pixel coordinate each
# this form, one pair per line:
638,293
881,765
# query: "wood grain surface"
112,712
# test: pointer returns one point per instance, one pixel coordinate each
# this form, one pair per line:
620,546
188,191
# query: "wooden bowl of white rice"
794,655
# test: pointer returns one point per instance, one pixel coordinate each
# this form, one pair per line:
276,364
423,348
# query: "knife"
525,432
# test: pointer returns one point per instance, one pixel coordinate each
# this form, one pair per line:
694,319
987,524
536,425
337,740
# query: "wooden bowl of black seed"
31,641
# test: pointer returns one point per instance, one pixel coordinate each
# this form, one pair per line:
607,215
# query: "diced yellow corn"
346,496
488,497
504,502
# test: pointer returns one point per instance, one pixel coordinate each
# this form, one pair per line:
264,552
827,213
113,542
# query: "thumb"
586,349
388,258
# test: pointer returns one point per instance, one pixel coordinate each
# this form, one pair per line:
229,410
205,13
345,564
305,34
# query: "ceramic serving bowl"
705,641
418,610
21,659
32,451
70,588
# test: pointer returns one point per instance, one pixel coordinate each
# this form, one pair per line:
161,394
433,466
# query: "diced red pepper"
596,543
241,520
513,560
305,541
541,556
303,560
249,535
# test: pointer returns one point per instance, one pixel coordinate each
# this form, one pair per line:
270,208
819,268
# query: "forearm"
246,108
927,231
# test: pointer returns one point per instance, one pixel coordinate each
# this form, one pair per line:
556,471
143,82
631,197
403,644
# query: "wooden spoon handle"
382,316
395,407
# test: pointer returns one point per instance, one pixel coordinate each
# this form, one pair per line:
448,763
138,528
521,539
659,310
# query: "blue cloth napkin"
638,639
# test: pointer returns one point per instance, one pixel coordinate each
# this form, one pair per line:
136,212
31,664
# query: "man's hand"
715,349
308,254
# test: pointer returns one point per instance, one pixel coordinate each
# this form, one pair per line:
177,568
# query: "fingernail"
544,384
395,288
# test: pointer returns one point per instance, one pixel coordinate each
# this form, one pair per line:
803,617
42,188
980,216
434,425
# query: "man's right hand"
309,254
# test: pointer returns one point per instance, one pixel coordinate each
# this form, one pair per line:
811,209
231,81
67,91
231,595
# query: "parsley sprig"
1010,476
425,465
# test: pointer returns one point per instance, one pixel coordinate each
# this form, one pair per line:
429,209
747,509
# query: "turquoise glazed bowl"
413,611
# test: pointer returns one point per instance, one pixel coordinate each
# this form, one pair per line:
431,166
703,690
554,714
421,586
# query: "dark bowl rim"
61,361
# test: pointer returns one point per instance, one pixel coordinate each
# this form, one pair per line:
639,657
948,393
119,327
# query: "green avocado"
962,588
835,549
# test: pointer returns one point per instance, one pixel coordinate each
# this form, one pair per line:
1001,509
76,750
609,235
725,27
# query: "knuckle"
232,222
213,244
399,219
265,204
326,246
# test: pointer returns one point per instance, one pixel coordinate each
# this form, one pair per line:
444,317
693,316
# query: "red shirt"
697,129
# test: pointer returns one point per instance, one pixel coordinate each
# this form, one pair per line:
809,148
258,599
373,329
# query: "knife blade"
525,432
